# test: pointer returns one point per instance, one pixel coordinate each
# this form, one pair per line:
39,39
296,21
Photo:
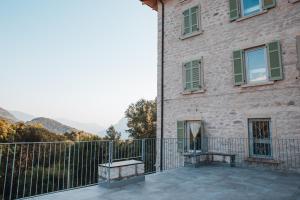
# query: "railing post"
110,154
143,150
69,161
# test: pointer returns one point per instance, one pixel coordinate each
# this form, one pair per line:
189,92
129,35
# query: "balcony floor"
208,183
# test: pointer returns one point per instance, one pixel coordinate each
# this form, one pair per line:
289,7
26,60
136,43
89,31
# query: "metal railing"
30,169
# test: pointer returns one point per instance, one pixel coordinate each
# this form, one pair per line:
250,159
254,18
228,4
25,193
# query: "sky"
83,60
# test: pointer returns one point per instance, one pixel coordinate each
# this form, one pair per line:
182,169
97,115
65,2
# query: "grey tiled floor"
208,183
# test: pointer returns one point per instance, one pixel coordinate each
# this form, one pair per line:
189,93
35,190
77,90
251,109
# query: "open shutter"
196,75
238,67
234,12
186,22
195,18
188,76
180,136
269,4
275,64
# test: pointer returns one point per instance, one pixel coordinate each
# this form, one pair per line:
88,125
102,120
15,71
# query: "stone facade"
225,108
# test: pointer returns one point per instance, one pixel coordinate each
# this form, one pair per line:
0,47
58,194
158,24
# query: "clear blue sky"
84,60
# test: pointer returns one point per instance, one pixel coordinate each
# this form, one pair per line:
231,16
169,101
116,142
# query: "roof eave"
150,3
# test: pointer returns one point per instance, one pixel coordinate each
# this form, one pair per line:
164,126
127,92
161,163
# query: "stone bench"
209,157
117,174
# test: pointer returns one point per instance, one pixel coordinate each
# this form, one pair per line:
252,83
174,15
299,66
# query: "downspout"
162,83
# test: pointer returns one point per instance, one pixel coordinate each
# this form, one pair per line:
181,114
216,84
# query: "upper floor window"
260,64
256,65
250,7
244,8
191,21
192,76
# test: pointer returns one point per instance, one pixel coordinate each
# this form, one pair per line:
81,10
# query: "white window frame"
242,8
247,67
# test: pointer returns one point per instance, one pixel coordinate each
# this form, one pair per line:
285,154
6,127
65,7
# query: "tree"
142,119
112,134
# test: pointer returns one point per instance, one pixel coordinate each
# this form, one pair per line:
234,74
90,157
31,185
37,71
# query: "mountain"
22,116
120,126
52,125
4,114
87,127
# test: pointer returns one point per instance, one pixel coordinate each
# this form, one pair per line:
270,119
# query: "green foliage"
142,119
20,132
112,134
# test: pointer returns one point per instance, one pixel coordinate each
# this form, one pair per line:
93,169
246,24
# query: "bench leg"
232,161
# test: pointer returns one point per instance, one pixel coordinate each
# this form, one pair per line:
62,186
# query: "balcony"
69,170
208,182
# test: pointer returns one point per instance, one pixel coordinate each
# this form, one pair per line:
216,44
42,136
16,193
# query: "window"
191,20
260,144
190,135
256,65
250,7
192,80
244,8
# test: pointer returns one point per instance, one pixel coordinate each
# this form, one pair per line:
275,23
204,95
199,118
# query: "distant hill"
22,116
52,125
120,126
87,127
4,114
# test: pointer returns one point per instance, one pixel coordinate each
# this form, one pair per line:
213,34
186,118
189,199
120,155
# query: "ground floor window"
260,144
193,135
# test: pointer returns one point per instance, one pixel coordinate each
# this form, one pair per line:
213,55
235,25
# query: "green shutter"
275,64
234,12
194,18
269,4
186,22
196,75
188,76
238,67
180,136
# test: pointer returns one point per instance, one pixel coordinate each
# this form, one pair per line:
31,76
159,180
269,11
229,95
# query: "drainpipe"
162,83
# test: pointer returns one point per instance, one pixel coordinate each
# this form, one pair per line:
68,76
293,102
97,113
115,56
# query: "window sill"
257,84
193,92
183,37
262,160
250,16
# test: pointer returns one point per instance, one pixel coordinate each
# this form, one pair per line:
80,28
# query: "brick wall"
224,107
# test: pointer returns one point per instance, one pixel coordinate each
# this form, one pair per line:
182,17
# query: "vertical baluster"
77,167
54,168
86,162
19,173
37,171
26,161
49,167
69,162
32,165
12,172
82,150
91,153
74,153
59,160
44,155
64,167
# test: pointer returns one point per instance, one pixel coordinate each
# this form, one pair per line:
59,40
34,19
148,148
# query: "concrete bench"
117,174
209,157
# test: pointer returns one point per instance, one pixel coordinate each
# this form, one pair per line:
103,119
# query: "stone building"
231,68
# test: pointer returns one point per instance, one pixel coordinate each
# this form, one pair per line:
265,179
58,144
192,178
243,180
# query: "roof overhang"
150,3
